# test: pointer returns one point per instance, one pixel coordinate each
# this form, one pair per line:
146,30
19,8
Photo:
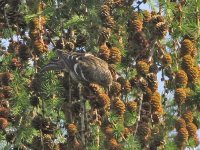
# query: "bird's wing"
85,68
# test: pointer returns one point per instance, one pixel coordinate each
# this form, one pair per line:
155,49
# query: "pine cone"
115,89
155,101
5,78
146,16
7,91
95,88
103,101
147,95
160,30
41,6
13,47
144,118
126,86
39,21
47,142
104,35
158,140
118,3
182,137
108,22
37,122
133,81
181,79
104,52
142,68
15,63
115,55
24,52
187,62
113,144
180,96
135,16
180,123
40,46
188,116
153,69
108,131
131,106
186,47
167,60
141,40
194,52
105,11
143,130
152,81
112,68
4,112
126,132
192,129
156,118
135,25
146,106
153,86
72,129
119,106
155,19
3,123
193,74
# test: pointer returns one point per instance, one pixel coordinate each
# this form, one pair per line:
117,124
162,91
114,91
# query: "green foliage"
74,21
7,33
50,87
66,20
132,143
130,118
25,136
20,93
171,145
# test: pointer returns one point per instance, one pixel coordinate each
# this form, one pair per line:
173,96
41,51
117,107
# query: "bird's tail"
53,65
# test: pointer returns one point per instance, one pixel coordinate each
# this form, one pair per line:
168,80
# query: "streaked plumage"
83,67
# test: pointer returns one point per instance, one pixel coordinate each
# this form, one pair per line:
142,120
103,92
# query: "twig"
82,114
43,111
98,131
175,51
152,50
42,141
69,97
139,113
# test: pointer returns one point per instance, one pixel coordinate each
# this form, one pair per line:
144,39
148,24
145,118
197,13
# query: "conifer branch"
7,23
198,18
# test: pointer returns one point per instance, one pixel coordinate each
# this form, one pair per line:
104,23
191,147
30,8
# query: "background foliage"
48,111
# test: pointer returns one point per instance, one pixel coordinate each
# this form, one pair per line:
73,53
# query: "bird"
83,68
